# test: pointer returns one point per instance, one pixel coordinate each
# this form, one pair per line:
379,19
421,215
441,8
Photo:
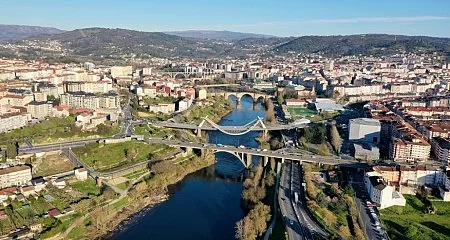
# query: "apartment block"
40,110
15,176
441,149
14,120
380,192
90,101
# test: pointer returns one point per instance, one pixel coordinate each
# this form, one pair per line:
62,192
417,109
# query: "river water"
206,204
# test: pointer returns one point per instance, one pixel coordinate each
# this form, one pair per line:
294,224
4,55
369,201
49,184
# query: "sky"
273,17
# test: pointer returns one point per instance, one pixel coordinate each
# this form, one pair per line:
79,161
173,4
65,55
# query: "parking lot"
367,211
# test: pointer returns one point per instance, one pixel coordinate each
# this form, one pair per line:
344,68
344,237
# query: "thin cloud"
288,24
381,19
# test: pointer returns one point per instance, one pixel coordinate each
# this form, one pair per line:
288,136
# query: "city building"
40,110
381,193
364,130
441,149
90,101
15,176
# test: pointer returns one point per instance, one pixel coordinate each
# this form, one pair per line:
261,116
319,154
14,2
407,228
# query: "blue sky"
275,17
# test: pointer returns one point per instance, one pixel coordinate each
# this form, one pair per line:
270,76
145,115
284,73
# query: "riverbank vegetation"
151,190
314,139
333,206
415,221
257,197
214,108
104,157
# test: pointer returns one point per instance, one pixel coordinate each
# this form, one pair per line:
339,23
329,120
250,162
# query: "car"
241,146
264,150
291,222
378,227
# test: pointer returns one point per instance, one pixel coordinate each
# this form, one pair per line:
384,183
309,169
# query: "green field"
411,222
301,112
53,129
110,156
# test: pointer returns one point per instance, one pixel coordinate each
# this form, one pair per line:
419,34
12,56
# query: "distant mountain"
219,35
106,45
365,44
17,32
116,43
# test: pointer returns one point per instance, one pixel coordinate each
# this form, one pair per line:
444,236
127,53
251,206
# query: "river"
206,204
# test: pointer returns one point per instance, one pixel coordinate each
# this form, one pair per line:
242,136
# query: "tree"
323,149
270,112
269,180
280,99
131,154
411,231
245,230
259,216
336,140
11,150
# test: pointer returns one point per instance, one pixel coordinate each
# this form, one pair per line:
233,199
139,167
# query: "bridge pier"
282,160
265,134
199,132
265,161
248,162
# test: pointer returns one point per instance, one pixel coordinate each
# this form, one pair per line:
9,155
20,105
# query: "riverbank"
156,188
105,222
144,199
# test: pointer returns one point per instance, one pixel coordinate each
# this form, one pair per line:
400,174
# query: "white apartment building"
162,107
10,121
415,150
90,101
117,71
40,110
380,193
15,176
89,87
364,130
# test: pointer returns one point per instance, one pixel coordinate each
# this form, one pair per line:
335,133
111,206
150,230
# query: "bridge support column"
199,133
265,161
248,160
282,160
188,150
265,134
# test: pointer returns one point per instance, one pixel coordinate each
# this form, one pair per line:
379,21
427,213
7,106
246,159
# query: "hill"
218,35
112,43
375,44
17,32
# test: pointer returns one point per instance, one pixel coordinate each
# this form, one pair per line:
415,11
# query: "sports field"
300,112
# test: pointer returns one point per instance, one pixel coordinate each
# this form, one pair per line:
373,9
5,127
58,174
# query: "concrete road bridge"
244,155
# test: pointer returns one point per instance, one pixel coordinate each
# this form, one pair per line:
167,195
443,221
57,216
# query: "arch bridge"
239,95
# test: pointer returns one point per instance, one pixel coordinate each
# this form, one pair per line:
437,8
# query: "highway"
310,227
285,203
256,152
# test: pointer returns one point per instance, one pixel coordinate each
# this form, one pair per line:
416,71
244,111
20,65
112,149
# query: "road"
361,197
293,227
222,148
300,207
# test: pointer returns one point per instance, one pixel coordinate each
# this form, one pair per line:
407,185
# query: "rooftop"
365,121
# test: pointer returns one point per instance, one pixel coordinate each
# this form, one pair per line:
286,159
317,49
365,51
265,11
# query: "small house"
81,174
